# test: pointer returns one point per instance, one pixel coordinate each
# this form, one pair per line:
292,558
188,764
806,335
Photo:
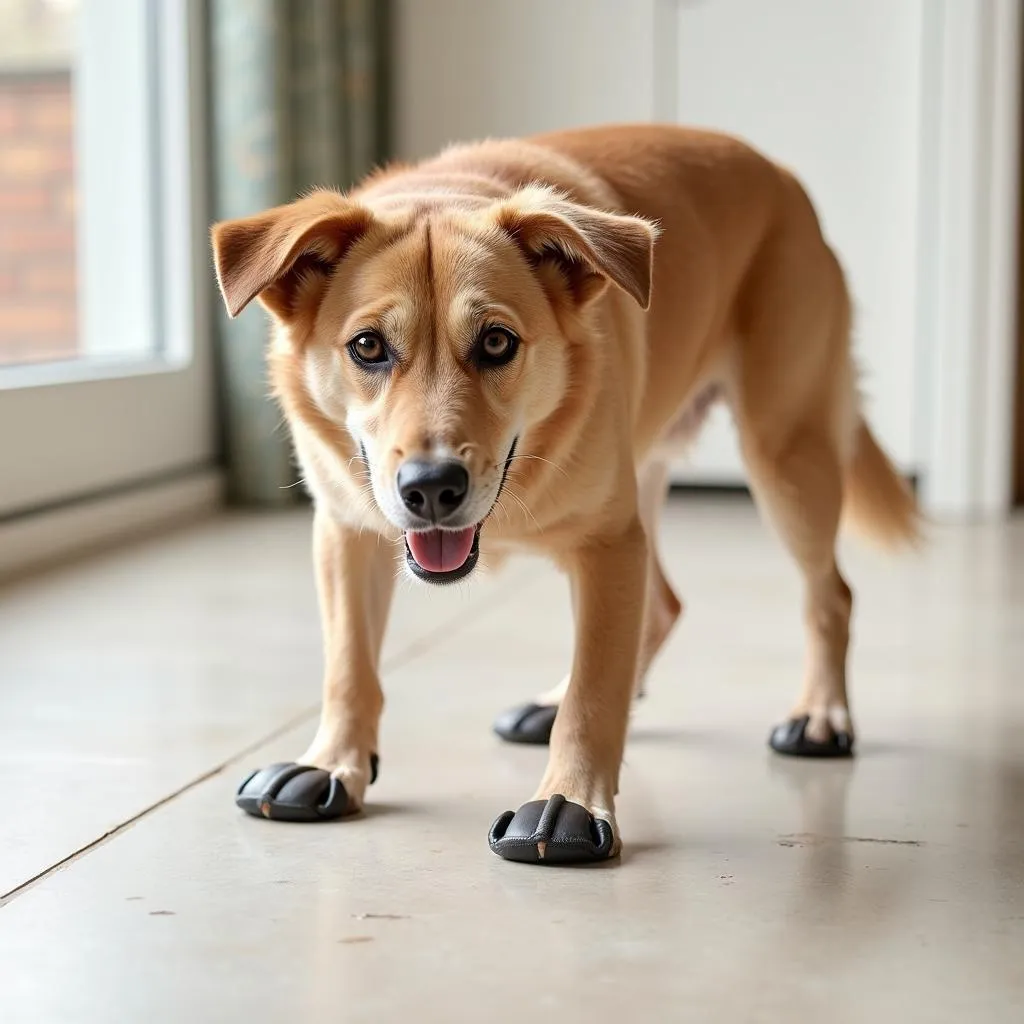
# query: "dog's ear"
590,247
285,254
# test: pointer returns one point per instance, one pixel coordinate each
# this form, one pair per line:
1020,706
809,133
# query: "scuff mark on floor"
812,839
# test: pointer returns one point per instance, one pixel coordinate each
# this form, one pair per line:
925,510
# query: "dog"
548,319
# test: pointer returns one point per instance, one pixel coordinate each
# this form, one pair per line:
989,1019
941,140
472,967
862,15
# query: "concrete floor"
137,689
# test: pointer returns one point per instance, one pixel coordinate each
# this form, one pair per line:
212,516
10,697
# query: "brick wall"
37,219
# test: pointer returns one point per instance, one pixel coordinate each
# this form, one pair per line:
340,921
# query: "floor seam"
102,840
416,648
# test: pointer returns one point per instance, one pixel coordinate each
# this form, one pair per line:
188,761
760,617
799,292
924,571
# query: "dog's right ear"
286,254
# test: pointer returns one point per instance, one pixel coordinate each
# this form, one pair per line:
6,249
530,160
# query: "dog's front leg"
355,575
355,572
572,816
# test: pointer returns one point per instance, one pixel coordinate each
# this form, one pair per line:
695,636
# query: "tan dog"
488,350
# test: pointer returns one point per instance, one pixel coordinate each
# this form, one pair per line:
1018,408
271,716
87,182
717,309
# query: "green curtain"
299,98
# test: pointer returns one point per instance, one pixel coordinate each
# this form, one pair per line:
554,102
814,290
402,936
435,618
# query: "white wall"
833,90
467,69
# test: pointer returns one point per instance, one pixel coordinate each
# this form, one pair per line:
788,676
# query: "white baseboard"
56,535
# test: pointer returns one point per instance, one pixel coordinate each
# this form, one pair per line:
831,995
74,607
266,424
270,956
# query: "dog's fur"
625,342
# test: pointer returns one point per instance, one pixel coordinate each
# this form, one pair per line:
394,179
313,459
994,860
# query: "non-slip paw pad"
295,792
791,738
552,831
528,723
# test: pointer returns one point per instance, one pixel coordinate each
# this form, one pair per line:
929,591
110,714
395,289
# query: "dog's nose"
433,490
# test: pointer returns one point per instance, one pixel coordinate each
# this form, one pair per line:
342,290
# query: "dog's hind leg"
532,722
796,410
662,606
800,488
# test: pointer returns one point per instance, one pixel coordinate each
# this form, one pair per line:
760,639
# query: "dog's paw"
553,831
528,723
805,736
297,792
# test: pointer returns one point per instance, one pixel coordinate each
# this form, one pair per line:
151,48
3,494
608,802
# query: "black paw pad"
529,723
552,831
292,792
791,738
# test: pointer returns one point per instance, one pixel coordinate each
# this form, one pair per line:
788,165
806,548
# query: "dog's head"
421,344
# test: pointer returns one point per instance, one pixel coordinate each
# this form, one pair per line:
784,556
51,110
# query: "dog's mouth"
442,556
445,556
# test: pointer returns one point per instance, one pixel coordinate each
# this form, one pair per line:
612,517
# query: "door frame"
970,194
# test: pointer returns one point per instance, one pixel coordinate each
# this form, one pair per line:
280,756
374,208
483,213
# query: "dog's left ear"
591,247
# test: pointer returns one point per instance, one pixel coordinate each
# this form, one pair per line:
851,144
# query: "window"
38,286
104,358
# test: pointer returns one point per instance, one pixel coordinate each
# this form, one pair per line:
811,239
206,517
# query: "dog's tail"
877,502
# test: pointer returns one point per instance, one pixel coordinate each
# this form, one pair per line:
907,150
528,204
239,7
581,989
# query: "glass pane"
83,190
38,280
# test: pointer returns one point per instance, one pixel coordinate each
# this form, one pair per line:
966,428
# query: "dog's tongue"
441,550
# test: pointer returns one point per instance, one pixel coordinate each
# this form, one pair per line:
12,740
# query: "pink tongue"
441,550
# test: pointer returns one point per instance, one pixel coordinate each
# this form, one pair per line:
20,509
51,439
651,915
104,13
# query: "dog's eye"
368,348
496,346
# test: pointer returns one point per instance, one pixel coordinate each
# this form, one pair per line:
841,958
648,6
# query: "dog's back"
749,302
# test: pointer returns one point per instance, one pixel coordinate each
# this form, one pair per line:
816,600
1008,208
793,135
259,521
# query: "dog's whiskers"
522,504
539,458
499,507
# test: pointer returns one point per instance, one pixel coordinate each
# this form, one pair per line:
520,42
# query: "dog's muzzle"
435,491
